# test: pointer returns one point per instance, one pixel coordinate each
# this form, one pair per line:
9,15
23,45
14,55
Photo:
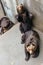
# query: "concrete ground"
12,51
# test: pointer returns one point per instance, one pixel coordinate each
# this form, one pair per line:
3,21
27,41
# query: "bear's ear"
23,38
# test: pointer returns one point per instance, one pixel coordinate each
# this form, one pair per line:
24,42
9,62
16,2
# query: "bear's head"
20,9
31,45
31,40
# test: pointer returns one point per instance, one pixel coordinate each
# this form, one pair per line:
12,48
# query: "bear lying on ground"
31,42
5,24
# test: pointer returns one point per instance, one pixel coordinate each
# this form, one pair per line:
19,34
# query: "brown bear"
31,42
25,18
5,24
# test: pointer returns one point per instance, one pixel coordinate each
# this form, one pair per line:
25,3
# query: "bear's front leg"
21,28
36,53
23,38
27,55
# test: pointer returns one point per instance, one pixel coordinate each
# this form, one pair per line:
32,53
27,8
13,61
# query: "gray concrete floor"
12,51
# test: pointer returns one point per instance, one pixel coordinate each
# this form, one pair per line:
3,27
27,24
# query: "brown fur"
5,24
32,43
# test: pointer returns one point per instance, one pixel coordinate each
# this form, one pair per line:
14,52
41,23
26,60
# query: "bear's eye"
28,45
31,39
33,44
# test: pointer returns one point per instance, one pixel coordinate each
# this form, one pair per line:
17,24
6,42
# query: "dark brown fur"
5,24
28,38
26,21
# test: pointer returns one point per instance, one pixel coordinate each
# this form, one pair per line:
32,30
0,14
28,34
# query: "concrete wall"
1,12
10,9
36,7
